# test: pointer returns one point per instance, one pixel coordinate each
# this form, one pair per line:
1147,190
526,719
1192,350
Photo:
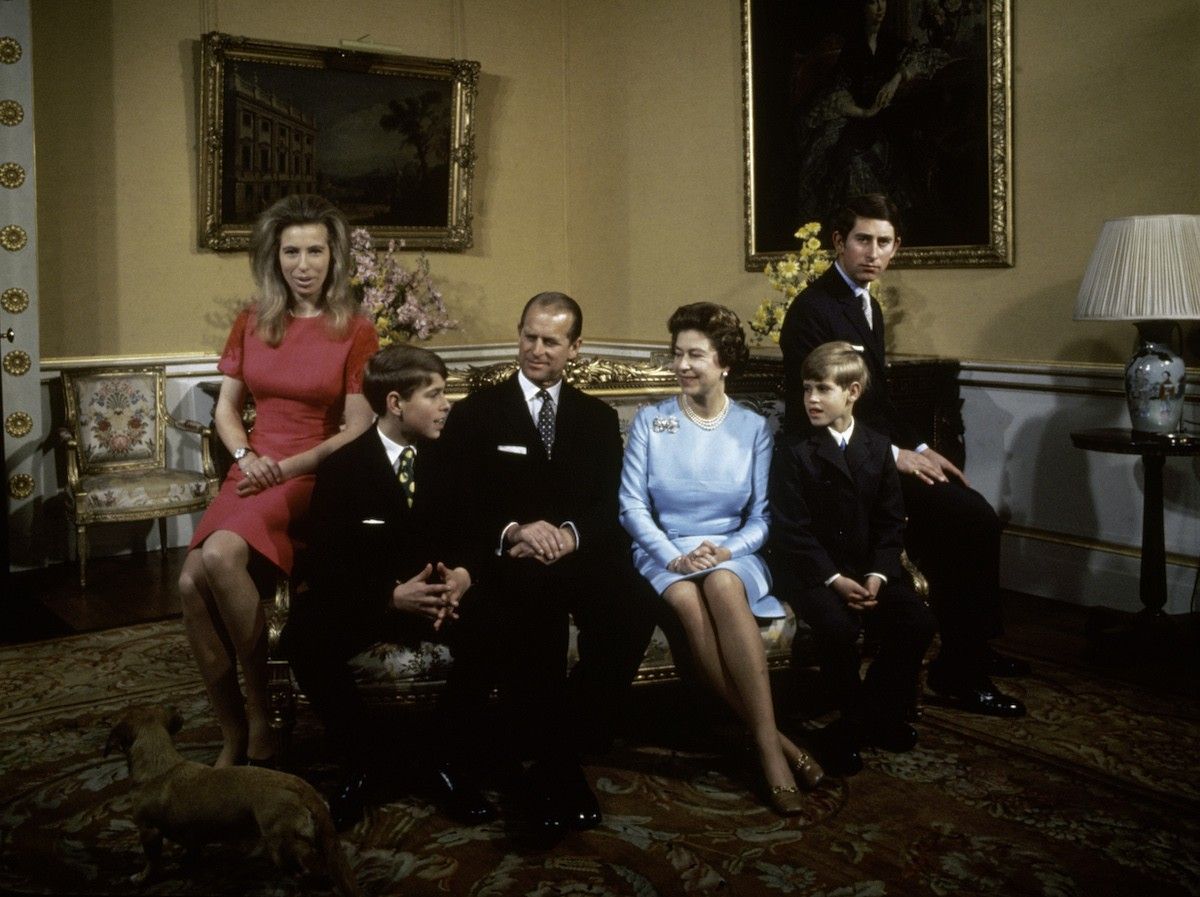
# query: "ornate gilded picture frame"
388,139
906,97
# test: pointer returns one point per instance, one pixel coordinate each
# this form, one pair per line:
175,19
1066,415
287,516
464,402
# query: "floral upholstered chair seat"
144,490
115,439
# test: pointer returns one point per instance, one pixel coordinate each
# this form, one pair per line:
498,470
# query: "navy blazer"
363,536
827,311
493,470
835,512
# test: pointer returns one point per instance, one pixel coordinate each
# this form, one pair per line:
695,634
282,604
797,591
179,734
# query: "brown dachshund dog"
193,804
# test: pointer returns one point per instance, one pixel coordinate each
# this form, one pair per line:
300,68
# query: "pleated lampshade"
1143,268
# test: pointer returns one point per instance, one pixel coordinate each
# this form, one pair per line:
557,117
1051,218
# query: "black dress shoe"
1004,666
978,697
895,736
837,747
557,800
541,812
577,802
459,796
349,804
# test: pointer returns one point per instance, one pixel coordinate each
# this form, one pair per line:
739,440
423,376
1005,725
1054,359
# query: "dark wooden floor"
139,588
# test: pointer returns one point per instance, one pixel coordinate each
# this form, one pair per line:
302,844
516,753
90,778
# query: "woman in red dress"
299,350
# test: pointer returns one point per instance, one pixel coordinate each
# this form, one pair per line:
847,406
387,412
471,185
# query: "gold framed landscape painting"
388,139
911,98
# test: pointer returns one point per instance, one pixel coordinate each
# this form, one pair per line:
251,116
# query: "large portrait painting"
905,97
388,139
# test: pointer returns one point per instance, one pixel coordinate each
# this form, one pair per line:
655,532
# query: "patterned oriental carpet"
1095,793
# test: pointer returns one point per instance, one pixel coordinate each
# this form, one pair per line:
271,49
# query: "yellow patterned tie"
405,473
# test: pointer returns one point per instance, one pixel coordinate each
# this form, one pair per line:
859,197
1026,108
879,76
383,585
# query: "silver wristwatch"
239,454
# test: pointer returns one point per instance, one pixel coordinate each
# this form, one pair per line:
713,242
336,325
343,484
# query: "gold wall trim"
10,50
18,424
1089,544
14,300
12,113
91,361
13,237
21,486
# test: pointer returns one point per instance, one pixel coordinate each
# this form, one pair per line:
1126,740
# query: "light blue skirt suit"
682,484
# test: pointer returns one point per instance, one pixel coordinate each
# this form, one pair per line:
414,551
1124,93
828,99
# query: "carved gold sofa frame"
399,675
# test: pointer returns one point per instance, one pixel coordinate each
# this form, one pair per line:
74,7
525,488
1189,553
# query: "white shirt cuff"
503,536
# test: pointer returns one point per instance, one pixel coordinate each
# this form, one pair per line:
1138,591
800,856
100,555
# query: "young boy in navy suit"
837,530
374,565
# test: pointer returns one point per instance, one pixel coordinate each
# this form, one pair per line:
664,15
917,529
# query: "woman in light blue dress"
694,499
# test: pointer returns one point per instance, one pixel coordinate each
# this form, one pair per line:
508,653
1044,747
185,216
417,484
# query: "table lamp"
1146,269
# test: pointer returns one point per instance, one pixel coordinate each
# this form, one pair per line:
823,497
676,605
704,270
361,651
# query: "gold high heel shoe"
785,800
808,771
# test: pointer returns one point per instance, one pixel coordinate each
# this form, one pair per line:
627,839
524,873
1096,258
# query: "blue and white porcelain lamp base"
1154,380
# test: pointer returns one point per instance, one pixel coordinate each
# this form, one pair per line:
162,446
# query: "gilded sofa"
400,675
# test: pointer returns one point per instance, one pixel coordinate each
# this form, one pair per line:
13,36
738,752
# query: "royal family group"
493,524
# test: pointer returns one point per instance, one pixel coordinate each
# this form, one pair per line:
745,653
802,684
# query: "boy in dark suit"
373,566
837,530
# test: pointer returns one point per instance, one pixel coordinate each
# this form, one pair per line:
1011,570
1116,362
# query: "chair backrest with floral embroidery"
115,416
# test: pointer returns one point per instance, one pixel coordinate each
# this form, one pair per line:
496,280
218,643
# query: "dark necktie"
842,445
405,473
545,421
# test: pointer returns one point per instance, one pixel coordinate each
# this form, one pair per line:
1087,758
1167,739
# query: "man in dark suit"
837,530
534,465
373,569
953,533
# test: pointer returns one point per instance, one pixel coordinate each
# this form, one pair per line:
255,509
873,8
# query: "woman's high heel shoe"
785,800
809,773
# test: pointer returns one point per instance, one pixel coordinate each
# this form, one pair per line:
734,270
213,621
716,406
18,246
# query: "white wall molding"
1073,518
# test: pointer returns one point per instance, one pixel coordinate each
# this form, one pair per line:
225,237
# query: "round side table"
1154,449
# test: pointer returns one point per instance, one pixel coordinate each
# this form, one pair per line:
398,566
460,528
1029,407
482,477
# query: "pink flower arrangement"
403,304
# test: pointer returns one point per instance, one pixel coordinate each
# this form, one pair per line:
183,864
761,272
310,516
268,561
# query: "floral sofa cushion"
391,669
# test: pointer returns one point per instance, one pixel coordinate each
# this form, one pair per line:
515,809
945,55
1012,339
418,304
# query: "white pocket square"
858,349
371,521
513,449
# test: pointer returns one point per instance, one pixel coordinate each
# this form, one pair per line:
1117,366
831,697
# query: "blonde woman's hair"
838,362
274,299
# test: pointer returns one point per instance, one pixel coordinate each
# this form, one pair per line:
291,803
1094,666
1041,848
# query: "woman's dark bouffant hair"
721,325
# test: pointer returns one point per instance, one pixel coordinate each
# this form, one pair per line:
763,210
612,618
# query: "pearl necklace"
704,423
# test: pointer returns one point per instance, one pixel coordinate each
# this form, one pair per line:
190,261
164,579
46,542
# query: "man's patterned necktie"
545,421
405,473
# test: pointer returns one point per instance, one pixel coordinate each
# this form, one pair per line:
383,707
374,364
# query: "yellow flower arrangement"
791,274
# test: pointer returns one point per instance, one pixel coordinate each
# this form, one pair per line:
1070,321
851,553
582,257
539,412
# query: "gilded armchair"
115,440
